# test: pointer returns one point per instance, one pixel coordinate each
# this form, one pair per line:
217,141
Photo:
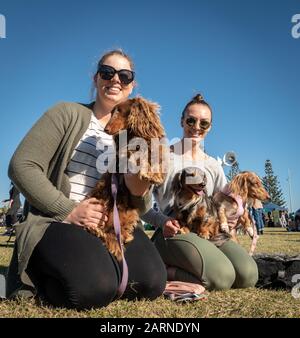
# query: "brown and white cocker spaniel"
192,207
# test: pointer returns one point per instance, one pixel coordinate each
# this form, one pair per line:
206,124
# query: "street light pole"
290,190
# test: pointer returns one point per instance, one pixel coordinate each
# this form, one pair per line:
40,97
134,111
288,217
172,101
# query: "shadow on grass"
287,233
7,245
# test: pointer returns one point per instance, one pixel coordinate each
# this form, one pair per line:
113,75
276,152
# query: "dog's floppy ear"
144,119
176,183
239,185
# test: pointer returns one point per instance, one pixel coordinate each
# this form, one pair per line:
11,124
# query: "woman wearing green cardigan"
55,167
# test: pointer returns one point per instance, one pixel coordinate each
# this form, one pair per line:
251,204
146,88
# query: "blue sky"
239,54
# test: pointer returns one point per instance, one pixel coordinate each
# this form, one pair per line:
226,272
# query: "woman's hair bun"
198,98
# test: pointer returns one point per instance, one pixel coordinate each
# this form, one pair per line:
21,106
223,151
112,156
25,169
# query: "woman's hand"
88,213
170,228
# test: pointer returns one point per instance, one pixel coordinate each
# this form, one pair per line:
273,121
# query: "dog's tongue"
199,192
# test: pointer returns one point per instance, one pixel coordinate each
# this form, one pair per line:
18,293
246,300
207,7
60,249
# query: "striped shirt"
89,156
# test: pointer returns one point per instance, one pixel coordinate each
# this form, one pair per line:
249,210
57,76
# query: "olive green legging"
198,260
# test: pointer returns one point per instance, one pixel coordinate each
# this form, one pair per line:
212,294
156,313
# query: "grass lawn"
252,302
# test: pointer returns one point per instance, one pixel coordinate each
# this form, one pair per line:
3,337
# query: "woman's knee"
246,274
221,276
151,289
199,258
244,265
147,271
149,286
84,294
92,296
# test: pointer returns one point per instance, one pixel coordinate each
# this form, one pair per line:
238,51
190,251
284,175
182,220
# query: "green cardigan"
38,170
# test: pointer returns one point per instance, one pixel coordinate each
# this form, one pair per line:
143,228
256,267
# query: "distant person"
286,215
11,216
1,218
275,215
292,226
282,220
257,212
263,216
155,207
270,220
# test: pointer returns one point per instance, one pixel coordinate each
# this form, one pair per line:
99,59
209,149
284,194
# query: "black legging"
72,268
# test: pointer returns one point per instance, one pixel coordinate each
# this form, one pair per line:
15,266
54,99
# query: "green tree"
234,170
272,185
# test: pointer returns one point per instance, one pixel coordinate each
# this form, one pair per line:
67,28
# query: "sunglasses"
192,121
126,76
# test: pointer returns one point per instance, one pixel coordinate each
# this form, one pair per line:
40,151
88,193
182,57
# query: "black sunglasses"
192,121
126,76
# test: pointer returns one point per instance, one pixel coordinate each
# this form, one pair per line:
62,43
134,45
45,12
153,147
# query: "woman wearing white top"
188,257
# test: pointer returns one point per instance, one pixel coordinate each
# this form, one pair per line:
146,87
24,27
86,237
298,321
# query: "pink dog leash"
117,227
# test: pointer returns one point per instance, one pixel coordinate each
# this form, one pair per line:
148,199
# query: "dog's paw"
152,178
128,238
205,235
225,228
183,230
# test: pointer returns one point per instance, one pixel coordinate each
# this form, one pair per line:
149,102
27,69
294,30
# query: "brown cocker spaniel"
193,209
233,202
138,118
